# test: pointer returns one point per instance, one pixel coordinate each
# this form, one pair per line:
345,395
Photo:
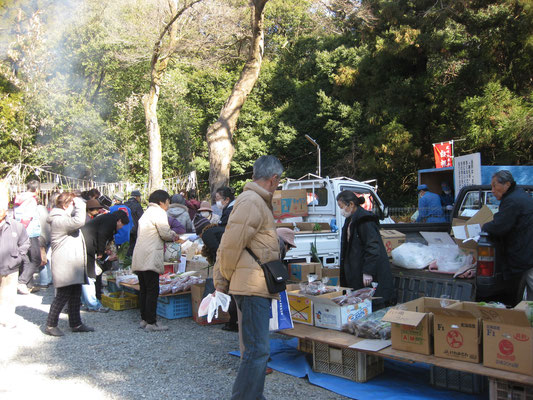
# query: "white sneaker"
143,324
22,289
157,327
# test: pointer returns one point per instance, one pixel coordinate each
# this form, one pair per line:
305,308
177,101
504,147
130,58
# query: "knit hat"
135,193
205,206
177,199
93,204
119,196
287,235
200,223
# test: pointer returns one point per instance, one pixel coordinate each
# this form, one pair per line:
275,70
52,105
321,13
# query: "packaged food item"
316,288
370,326
357,296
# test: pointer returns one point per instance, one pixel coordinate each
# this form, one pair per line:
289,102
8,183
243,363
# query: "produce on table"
370,326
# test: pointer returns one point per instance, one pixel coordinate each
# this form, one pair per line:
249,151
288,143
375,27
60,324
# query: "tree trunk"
160,58
220,133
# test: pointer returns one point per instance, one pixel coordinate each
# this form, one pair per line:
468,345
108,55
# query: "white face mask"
219,204
345,213
205,214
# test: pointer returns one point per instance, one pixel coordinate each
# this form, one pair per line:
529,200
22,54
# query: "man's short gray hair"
266,167
504,176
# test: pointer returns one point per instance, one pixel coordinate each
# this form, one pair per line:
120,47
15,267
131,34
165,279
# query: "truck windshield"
370,202
318,197
473,201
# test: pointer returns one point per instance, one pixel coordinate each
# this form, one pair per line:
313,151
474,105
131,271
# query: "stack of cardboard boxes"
464,331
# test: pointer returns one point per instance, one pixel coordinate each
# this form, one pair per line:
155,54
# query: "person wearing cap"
429,206
178,209
286,241
93,209
446,200
134,203
206,211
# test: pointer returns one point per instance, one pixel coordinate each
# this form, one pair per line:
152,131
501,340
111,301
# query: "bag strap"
254,256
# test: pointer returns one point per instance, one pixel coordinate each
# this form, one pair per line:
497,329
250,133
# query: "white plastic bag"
412,256
210,303
450,258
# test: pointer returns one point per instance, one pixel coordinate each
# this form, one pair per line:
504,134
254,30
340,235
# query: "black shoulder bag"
276,274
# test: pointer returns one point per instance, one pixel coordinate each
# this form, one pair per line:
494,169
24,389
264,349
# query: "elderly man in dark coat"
513,226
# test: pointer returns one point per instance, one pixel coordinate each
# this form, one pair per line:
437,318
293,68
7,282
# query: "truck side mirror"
384,212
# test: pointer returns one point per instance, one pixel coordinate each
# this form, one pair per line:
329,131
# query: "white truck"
323,208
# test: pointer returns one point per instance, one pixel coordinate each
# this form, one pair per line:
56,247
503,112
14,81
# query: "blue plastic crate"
174,307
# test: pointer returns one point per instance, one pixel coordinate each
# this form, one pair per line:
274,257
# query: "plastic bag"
210,303
412,256
449,258
370,326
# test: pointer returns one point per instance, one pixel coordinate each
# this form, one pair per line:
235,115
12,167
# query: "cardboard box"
201,266
328,314
391,239
289,203
299,271
412,326
507,340
333,275
301,307
457,332
197,292
467,228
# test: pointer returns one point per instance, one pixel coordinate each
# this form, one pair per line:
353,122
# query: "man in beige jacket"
251,225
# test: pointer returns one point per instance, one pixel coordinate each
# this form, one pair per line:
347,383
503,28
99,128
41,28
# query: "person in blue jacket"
429,206
123,234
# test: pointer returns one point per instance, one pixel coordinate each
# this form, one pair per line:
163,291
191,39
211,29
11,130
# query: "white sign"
467,171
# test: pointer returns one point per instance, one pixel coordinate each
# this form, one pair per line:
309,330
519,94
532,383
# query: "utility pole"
314,143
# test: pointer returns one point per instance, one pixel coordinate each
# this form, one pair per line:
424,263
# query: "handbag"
276,274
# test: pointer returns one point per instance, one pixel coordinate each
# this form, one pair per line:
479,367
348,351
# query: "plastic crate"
174,307
119,301
345,362
305,345
409,287
460,381
505,390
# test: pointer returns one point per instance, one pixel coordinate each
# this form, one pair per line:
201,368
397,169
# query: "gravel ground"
121,361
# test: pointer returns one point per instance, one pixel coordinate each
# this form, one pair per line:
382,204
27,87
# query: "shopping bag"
280,313
210,304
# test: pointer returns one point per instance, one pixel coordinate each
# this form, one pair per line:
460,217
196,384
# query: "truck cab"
322,208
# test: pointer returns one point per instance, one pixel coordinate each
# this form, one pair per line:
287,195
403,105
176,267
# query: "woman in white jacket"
148,256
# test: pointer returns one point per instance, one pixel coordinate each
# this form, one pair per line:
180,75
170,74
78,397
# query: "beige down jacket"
153,232
251,224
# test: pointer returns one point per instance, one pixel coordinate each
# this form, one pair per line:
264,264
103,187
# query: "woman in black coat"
363,256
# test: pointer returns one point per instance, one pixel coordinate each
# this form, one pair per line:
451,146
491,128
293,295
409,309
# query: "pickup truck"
488,283
322,208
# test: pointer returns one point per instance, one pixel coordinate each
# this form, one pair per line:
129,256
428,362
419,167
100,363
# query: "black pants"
232,310
70,294
149,283
31,264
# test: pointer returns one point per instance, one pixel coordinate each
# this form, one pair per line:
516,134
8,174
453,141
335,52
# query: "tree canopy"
374,82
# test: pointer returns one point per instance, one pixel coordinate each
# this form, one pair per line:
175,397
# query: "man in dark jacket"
14,245
363,256
134,204
97,233
513,226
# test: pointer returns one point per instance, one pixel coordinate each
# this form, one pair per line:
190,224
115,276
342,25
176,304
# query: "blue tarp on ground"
399,381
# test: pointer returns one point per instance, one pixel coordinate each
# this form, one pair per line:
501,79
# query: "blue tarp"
400,381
